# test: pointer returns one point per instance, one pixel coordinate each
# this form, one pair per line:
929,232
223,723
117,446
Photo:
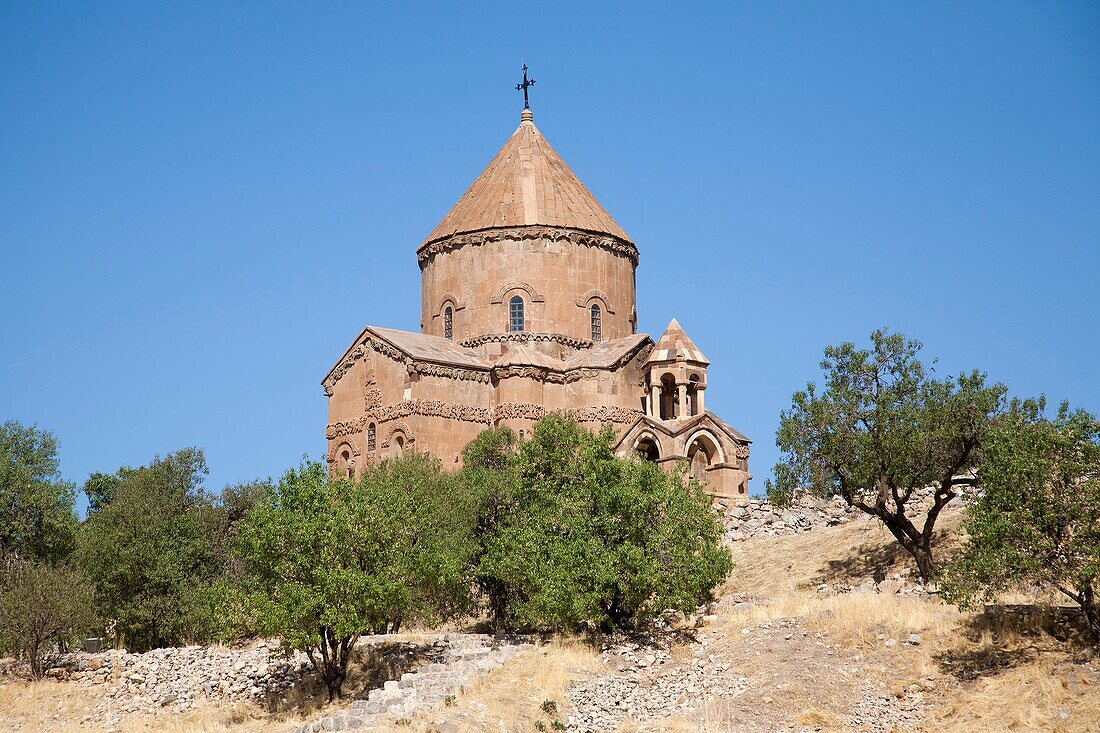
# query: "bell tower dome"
528,250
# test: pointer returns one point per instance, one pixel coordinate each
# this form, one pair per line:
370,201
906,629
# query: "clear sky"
202,203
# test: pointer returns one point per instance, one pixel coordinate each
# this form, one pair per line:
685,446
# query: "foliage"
882,428
589,539
488,481
1038,518
42,604
327,559
151,547
36,506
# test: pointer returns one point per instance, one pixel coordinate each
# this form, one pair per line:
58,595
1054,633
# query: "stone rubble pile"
467,657
172,680
649,686
761,518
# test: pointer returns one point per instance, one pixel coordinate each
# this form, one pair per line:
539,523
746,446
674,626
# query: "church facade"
528,307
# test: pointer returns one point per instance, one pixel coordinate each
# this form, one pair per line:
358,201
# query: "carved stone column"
699,400
655,401
683,406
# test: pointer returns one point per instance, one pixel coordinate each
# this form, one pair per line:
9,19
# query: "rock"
914,639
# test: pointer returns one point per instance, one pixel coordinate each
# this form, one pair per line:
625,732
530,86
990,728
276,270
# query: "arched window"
370,437
597,326
448,323
515,314
345,463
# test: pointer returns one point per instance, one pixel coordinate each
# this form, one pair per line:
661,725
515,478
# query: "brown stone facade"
528,307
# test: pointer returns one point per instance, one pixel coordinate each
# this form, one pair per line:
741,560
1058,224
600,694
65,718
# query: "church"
528,307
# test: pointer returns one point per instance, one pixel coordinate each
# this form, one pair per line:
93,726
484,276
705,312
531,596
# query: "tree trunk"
1090,604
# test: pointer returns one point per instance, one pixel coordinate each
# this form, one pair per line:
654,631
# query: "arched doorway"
647,449
701,454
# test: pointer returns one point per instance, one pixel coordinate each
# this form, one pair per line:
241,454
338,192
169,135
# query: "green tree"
882,428
593,540
36,506
326,559
151,546
1038,517
42,605
488,478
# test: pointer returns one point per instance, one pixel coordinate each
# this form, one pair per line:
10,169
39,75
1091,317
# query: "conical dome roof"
527,184
675,345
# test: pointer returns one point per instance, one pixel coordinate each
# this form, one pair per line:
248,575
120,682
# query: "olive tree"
36,505
325,559
1038,517
881,428
582,538
42,605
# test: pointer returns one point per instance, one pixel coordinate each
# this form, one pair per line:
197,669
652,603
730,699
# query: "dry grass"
513,694
47,706
1043,695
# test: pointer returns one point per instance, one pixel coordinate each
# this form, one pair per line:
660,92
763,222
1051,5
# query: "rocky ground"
822,627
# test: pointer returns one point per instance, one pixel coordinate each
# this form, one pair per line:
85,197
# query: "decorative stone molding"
344,429
360,351
534,411
614,245
599,295
517,285
524,337
741,451
434,408
437,370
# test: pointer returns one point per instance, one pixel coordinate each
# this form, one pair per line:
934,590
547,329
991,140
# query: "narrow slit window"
597,323
448,323
515,314
370,437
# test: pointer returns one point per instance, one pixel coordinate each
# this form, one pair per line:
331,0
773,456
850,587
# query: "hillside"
801,638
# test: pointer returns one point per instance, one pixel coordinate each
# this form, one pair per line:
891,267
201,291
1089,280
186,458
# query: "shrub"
584,538
42,604
151,547
325,560
1038,518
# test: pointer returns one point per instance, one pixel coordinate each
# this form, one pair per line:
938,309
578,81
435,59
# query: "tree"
36,506
882,428
1038,517
489,480
590,539
42,604
326,559
151,546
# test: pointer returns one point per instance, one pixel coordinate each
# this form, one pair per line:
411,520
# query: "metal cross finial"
526,83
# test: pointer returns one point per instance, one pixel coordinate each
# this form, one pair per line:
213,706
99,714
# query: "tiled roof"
606,354
527,184
674,345
431,348
523,355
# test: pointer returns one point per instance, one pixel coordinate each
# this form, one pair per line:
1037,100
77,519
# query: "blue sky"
202,203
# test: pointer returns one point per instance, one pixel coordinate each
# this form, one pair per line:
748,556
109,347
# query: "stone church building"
528,307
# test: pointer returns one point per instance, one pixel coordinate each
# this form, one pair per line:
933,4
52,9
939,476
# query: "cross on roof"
526,83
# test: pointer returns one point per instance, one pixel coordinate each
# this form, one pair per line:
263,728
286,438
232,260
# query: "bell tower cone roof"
527,184
675,345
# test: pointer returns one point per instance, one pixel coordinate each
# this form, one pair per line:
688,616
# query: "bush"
582,538
1038,518
36,506
151,547
42,605
325,560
